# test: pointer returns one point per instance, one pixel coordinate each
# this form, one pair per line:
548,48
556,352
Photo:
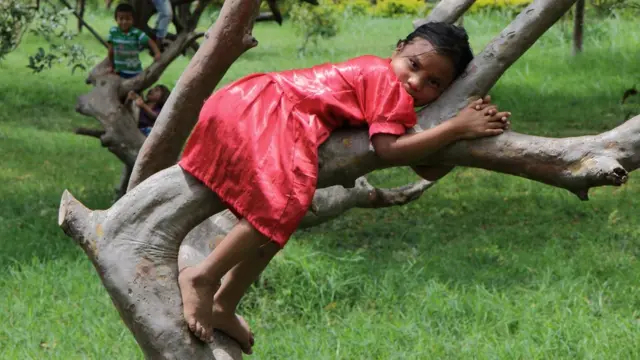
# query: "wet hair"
165,95
448,40
123,8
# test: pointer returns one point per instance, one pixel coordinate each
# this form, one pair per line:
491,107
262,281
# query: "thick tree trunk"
141,275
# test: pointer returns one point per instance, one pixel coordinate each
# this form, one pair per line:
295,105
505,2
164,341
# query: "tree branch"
82,22
228,38
446,11
333,201
348,154
192,23
496,58
328,203
121,135
575,164
97,133
134,246
152,73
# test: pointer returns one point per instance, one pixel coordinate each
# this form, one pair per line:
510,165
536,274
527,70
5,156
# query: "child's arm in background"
146,108
468,124
110,56
156,50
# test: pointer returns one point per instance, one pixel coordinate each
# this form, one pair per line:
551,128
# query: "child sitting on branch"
148,109
256,146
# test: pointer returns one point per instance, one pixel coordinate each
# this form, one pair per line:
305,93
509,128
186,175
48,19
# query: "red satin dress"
256,141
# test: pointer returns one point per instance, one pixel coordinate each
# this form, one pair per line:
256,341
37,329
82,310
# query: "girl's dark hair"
122,8
448,40
165,95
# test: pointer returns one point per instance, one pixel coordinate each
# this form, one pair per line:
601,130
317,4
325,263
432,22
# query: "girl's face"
424,73
154,95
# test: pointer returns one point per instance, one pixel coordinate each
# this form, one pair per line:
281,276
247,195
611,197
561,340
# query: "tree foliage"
15,17
48,22
314,22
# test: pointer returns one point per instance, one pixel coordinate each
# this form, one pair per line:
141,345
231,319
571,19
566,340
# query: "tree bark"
141,275
446,11
578,27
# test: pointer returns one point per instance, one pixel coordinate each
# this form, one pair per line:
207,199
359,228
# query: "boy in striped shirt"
126,42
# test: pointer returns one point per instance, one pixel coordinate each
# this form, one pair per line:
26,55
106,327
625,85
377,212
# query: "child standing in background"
126,42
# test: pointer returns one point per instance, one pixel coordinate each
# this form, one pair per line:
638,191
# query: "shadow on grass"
480,240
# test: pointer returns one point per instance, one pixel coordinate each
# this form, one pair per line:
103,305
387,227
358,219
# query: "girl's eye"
414,64
434,83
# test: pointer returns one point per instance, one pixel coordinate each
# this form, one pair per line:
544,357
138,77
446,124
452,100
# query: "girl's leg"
198,284
236,283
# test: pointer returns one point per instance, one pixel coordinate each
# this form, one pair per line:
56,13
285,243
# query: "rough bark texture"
134,250
134,245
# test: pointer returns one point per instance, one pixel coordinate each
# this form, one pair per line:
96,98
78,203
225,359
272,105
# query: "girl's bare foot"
197,303
234,326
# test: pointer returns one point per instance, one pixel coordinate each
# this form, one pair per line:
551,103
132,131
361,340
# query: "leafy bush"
15,17
603,8
500,5
394,8
353,8
47,22
314,22
51,24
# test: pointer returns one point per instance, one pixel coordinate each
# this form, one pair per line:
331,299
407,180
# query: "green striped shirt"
126,47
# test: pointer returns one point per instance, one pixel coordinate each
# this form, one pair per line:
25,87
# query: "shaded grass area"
483,266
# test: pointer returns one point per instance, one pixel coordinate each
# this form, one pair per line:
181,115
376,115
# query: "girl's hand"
131,95
480,119
481,103
139,101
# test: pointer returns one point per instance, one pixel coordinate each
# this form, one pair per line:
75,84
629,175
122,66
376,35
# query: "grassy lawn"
483,266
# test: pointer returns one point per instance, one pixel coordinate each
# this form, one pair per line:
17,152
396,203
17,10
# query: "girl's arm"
147,110
468,124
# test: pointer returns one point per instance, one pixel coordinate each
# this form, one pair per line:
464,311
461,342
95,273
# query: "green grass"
483,266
